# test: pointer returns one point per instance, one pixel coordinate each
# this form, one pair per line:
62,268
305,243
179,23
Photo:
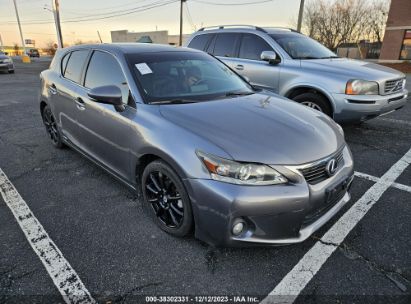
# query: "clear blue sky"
32,12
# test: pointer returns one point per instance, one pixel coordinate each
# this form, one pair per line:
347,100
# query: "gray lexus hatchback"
210,153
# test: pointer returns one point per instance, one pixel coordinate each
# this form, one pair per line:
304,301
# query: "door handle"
80,103
53,89
239,67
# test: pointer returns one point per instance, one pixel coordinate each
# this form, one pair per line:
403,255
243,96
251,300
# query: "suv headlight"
361,87
240,173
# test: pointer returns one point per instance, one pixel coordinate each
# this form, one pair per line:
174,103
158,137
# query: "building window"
406,46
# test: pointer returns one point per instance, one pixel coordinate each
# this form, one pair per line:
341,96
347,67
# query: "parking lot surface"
108,242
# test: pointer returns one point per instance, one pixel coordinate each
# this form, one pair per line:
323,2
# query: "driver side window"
252,46
103,70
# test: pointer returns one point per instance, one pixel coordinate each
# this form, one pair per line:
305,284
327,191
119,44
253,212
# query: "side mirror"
109,94
270,57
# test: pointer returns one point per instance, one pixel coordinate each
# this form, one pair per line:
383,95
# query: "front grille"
317,173
394,86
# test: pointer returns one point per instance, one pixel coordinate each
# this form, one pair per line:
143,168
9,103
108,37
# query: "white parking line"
376,179
63,275
297,279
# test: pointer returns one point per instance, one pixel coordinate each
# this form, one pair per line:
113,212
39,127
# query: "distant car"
6,63
239,166
33,53
295,66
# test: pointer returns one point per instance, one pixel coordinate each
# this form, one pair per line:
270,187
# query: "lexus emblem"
331,167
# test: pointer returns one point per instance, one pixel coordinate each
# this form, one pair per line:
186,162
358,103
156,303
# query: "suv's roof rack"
232,26
282,28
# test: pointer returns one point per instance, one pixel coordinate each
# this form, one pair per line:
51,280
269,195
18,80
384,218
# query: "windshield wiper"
308,57
329,57
173,101
236,93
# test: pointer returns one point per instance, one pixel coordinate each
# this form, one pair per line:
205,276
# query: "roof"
129,48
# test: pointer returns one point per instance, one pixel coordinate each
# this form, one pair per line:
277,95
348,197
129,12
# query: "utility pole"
300,16
181,22
99,37
56,12
21,32
1,43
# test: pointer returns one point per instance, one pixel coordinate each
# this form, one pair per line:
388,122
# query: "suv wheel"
314,101
166,199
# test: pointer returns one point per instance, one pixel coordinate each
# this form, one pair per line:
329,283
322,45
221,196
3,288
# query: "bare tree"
341,21
51,48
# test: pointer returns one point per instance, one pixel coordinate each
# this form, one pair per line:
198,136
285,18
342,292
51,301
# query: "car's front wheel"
51,127
166,199
314,101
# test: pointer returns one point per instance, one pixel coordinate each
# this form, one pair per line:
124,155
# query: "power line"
233,4
189,18
107,16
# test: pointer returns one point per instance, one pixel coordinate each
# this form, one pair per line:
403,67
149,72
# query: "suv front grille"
394,86
317,173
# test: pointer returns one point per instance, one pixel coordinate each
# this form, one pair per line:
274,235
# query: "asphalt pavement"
121,256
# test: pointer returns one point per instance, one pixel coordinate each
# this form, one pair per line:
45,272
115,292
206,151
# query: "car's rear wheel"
51,127
314,101
166,199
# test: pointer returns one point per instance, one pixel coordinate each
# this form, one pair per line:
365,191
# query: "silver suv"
298,67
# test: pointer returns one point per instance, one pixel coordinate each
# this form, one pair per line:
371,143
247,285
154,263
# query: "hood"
260,128
3,57
353,68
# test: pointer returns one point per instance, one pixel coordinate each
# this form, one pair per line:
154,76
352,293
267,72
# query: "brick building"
397,39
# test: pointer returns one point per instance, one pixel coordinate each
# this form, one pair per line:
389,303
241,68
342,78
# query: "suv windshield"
302,47
177,77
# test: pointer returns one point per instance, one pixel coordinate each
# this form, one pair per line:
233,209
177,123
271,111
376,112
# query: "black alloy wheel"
167,199
51,127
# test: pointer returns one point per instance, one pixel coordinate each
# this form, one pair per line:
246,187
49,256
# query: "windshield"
302,47
184,77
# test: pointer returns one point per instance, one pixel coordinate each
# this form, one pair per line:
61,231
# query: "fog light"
238,228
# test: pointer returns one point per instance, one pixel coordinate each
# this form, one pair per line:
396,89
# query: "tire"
315,101
11,72
173,214
51,127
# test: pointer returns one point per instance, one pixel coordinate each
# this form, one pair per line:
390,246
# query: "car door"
225,47
105,131
63,91
261,73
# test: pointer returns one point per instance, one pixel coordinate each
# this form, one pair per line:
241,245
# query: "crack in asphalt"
394,276
123,298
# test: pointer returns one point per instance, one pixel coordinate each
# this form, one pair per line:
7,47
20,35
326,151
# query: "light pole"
181,22
21,32
56,12
300,16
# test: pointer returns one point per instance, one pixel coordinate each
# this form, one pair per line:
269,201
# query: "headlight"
361,87
7,60
240,173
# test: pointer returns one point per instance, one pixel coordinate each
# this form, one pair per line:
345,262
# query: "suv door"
225,47
261,73
105,131
64,90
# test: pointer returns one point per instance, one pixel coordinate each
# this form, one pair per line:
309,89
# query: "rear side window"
252,46
75,65
64,63
103,70
225,45
199,42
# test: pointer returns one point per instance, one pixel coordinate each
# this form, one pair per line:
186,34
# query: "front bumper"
5,67
273,215
355,108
